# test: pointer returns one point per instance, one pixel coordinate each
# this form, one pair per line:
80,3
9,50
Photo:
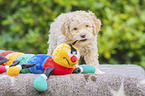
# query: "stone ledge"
125,80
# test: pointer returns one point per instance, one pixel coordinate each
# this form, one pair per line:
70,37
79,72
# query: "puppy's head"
82,26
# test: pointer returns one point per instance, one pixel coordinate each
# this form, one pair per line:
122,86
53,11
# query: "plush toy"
8,59
62,62
22,63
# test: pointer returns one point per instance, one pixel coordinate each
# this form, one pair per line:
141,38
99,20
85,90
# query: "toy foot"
3,60
3,69
15,70
40,83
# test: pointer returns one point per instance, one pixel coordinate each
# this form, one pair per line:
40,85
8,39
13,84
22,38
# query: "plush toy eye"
69,53
75,28
76,53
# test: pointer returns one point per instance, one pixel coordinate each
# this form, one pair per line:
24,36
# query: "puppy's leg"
51,48
92,58
50,51
52,44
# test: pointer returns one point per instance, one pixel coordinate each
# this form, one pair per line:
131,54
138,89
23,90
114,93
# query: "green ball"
88,69
40,84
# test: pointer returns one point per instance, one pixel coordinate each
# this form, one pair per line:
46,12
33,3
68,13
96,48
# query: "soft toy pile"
62,62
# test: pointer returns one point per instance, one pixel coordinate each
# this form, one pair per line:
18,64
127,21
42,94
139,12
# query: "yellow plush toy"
64,59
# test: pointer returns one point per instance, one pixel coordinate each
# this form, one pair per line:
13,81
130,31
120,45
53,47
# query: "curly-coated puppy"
79,25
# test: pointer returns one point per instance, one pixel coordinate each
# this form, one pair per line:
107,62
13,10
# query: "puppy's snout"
83,35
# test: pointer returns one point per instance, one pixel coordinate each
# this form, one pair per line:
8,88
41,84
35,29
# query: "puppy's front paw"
99,72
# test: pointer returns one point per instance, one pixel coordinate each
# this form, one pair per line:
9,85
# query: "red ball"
2,69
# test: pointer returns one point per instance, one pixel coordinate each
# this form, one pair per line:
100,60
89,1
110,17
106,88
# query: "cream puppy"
79,25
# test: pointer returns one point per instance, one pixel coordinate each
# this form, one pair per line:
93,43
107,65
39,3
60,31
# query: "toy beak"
73,58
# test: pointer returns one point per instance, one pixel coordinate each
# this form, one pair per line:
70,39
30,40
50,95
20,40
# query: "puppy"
79,25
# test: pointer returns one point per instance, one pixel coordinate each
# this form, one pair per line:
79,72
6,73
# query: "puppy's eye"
75,28
87,25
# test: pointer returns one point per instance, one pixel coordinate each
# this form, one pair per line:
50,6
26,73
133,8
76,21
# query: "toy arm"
16,62
40,83
78,70
27,65
85,69
3,60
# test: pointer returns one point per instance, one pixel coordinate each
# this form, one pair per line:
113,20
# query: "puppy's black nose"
83,35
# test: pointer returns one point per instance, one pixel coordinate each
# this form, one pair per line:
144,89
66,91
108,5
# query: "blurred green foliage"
24,26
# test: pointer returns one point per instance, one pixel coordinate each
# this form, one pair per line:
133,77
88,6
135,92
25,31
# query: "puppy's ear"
65,29
97,26
96,23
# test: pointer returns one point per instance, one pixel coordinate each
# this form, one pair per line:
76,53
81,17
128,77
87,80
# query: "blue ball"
39,61
40,84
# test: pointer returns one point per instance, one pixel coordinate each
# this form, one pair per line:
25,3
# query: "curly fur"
79,25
